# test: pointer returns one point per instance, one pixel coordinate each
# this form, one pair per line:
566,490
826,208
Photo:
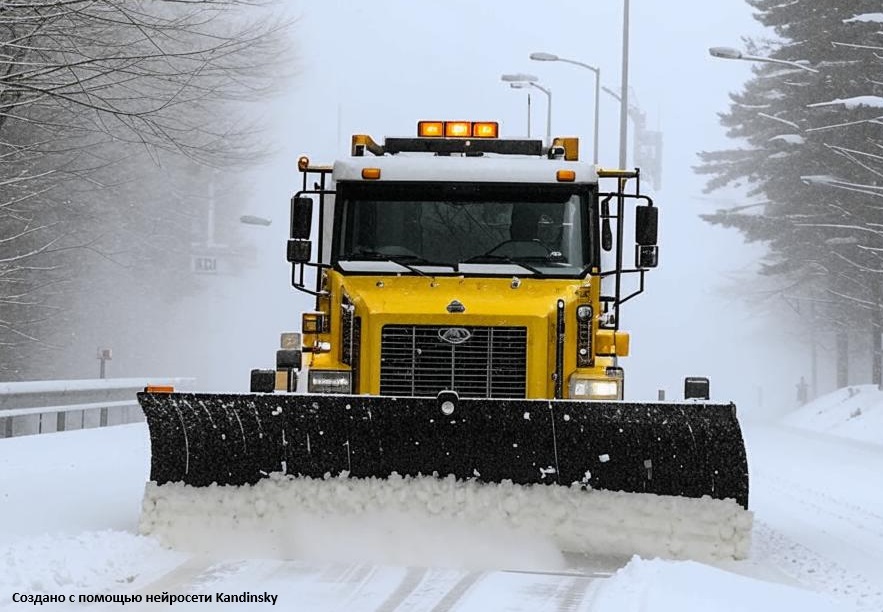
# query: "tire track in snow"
179,576
815,571
456,592
409,583
867,522
361,574
177,580
850,508
581,584
577,593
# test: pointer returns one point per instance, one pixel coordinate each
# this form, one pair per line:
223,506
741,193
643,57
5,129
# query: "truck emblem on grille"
456,306
454,335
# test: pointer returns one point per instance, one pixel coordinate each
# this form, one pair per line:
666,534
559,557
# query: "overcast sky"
379,67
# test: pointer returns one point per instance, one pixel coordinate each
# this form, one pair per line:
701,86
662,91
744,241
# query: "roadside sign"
203,264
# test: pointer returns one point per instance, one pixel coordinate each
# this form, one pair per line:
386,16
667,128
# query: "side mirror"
646,225
646,256
301,217
299,250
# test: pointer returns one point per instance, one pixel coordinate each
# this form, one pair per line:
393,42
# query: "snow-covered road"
818,502
69,508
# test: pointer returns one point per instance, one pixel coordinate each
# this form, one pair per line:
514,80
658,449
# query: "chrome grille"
415,360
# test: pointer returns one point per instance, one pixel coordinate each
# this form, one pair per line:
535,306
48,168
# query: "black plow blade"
688,450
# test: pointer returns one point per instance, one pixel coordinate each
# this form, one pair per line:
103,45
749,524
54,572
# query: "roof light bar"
458,129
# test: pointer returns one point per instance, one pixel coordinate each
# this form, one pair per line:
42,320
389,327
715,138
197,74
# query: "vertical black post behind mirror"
646,225
301,217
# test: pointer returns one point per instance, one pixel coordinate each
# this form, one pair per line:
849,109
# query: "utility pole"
528,114
624,88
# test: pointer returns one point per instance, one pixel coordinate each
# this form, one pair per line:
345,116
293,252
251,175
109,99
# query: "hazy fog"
379,67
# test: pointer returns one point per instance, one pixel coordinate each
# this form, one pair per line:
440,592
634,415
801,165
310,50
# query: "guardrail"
44,406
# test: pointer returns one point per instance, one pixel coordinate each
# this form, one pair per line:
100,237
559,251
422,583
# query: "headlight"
583,387
329,381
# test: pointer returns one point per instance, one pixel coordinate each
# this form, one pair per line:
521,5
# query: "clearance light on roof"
430,129
458,129
485,129
566,176
371,173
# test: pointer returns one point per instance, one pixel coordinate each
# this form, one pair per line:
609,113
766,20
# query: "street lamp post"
730,53
520,80
548,92
551,57
624,91
521,77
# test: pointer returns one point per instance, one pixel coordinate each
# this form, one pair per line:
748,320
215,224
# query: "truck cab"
460,262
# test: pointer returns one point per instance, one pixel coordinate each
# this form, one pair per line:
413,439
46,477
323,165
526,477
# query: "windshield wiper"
486,258
406,261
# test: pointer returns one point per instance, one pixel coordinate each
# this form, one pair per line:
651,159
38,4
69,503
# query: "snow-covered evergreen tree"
812,147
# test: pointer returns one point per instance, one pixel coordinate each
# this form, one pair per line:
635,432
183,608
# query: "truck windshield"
480,229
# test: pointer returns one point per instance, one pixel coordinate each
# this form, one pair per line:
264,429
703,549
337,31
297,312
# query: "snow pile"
852,412
660,586
76,564
302,517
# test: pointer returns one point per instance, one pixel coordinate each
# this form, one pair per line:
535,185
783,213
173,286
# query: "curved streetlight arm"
548,93
634,110
730,53
551,57
594,69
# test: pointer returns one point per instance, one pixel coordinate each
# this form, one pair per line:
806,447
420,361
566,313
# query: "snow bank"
298,517
663,586
86,563
852,412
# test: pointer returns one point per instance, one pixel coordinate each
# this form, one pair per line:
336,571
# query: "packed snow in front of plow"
286,516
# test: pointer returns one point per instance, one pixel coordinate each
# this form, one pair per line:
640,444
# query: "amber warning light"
159,389
458,129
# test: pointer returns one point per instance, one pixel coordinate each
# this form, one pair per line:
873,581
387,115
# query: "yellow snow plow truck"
468,292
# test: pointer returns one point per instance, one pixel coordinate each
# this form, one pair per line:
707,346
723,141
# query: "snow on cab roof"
485,168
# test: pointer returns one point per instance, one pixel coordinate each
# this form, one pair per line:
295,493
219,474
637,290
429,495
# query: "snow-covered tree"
103,105
811,149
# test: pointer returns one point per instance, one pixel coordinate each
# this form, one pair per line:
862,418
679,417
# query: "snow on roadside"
663,586
404,517
854,412
822,574
89,562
